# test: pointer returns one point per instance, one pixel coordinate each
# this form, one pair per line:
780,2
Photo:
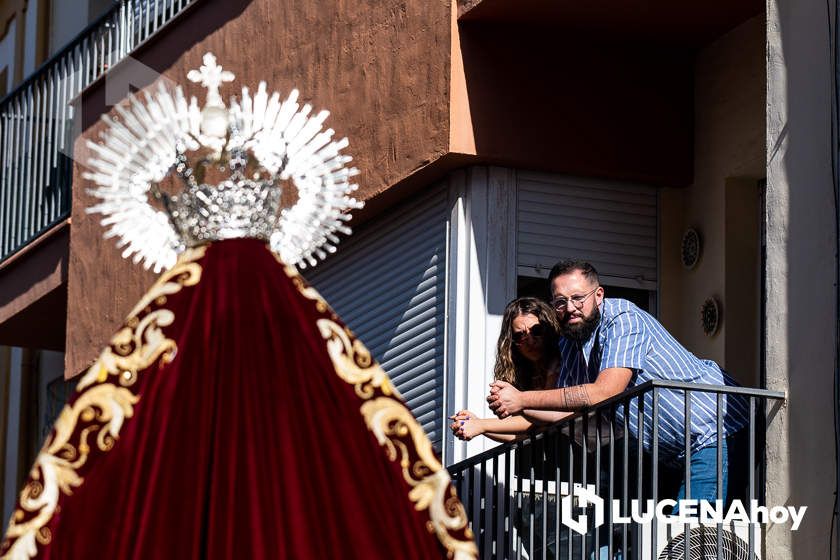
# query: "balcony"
514,493
37,130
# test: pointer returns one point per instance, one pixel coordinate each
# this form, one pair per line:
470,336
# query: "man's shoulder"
617,309
620,304
622,317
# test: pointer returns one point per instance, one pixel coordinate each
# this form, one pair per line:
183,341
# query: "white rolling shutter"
612,226
387,283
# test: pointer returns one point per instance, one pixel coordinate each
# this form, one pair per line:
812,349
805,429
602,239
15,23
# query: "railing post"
752,466
654,446
687,427
570,534
482,504
4,184
720,458
625,465
640,445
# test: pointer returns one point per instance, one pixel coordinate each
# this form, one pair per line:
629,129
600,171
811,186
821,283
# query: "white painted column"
481,280
800,276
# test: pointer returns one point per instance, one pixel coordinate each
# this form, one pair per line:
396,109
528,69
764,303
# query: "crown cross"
211,76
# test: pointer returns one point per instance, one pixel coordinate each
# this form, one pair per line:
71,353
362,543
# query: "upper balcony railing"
36,119
515,493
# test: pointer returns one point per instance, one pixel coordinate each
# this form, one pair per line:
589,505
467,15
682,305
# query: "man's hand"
504,399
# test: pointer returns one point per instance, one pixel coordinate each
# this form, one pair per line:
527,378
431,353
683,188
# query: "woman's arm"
467,425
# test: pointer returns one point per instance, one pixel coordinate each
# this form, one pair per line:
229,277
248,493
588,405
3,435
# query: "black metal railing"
36,119
515,493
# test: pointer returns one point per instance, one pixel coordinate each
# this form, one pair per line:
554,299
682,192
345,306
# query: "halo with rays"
152,137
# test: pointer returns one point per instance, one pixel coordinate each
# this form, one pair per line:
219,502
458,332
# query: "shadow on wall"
576,106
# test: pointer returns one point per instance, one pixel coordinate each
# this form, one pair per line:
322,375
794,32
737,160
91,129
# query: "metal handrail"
622,397
50,62
37,117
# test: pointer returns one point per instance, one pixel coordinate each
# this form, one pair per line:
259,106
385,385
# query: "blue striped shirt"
628,337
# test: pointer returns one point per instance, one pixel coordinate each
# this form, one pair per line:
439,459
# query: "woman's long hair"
511,365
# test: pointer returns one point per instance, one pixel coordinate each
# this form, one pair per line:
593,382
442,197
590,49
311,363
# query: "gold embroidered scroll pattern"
141,341
97,415
399,433
103,409
186,272
353,362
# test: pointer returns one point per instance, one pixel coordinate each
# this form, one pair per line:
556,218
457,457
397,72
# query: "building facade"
685,150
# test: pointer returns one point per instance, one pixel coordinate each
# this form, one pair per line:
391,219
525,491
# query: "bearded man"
609,346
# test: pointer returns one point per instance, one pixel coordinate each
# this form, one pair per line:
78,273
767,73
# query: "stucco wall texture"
801,302
380,67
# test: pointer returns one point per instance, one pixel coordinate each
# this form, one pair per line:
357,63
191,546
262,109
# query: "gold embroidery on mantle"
138,344
396,430
105,407
353,362
357,365
104,401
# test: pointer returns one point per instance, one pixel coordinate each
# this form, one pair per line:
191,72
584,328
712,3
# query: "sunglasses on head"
536,331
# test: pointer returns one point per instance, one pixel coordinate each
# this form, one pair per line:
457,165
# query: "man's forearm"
565,399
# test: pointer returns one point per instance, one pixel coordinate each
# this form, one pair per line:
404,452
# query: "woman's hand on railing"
466,425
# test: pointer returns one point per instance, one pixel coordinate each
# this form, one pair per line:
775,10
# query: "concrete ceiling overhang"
687,24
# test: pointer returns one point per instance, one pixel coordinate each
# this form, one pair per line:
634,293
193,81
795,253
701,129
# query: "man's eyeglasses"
536,331
560,303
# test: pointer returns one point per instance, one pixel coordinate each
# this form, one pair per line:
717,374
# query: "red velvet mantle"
234,416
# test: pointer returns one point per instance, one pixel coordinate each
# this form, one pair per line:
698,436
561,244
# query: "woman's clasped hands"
465,425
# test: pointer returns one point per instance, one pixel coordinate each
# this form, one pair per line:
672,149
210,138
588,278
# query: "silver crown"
234,207
231,209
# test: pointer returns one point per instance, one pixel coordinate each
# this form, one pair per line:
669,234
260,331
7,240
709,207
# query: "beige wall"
800,273
728,143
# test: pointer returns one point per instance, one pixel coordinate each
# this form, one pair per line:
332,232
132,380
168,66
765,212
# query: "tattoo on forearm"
575,397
